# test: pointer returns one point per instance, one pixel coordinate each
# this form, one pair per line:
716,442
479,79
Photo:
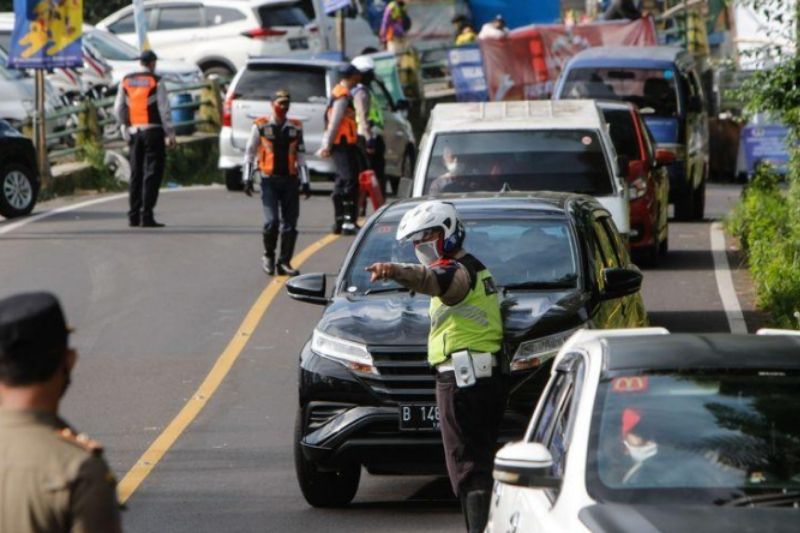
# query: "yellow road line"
148,461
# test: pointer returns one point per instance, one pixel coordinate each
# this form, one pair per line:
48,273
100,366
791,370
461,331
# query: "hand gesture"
171,141
305,188
248,187
380,271
324,152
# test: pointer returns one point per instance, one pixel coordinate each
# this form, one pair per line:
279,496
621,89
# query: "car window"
518,160
653,90
606,248
282,16
179,18
5,40
623,132
110,47
124,25
222,15
259,82
549,409
525,251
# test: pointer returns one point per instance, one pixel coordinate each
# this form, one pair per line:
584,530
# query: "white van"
522,146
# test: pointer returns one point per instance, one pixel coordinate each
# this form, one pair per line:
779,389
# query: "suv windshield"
110,47
653,90
521,160
536,253
695,437
259,82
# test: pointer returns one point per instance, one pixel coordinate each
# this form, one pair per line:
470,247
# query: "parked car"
560,264
648,184
664,82
310,82
19,176
641,430
358,32
220,35
522,146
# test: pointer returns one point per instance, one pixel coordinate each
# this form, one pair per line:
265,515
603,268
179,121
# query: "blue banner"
767,144
332,6
47,34
466,68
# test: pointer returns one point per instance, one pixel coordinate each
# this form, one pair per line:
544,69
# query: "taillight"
312,28
227,109
261,33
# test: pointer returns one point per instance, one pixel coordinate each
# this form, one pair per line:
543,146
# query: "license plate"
298,43
420,417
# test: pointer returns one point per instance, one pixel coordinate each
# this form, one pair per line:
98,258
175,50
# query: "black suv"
19,178
366,391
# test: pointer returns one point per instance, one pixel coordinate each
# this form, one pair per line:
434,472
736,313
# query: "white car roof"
529,114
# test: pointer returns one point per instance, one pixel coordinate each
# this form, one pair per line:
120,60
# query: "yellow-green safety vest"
473,324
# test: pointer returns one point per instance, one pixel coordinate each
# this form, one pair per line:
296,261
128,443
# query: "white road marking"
80,205
722,271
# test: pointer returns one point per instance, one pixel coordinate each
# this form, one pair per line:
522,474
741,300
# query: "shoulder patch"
443,262
81,440
489,286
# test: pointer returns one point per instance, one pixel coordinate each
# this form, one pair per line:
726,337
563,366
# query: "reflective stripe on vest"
141,97
473,324
266,147
348,129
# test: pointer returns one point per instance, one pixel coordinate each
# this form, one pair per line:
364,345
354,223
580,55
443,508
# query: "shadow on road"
684,260
708,321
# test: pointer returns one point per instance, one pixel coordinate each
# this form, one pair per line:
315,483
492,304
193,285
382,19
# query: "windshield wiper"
381,290
768,499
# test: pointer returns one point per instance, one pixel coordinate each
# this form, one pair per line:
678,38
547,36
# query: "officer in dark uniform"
143,112
276,151
54,480
464,347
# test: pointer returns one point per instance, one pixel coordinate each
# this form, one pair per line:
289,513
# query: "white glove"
126,135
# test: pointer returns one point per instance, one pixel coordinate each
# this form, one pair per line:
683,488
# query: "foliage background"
93,10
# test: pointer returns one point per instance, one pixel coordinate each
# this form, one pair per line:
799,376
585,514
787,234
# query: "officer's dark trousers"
377,162
345,187
470,422
280,197
147,154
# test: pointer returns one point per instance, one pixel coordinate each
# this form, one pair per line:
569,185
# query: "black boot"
477,510
287,250
268,261
149,222
338,214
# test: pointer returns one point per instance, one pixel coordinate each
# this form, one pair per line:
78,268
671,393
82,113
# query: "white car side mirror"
525,464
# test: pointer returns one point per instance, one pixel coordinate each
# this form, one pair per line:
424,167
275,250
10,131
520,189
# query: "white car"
219,35
642,430
561,146
310,83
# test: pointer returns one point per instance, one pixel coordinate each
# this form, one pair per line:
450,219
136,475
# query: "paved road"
154,309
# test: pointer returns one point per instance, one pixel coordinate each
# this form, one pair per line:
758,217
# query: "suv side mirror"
695,104
620,282
525,464
664,157
310,288
636,169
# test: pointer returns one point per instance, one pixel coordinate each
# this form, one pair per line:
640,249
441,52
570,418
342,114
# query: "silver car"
310,82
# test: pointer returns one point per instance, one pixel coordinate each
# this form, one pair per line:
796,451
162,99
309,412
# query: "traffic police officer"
54,479
276,145
143,112
369,120
339,142
464,346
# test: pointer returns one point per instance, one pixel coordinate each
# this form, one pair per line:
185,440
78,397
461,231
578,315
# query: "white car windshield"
110,47
695,436
518,160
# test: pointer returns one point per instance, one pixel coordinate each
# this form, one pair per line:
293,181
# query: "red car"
646,176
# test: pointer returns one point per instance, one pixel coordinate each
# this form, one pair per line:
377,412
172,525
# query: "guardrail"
93,121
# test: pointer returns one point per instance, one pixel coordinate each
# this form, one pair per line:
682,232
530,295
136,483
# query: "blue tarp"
516,12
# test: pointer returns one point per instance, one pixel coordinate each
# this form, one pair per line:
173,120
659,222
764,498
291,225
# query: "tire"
684,207
663,247
699,204
335,488
233,179
18,190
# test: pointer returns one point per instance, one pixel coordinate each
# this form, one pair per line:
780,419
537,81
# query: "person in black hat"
143,112
61,483
494,29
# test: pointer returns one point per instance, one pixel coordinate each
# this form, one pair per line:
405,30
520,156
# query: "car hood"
664,130
401,319
680,518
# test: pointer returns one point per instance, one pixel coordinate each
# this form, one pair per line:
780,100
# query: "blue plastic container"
183,114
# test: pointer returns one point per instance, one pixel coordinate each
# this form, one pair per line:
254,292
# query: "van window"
179,18
259,82
222,15
653,90
522,160
124,25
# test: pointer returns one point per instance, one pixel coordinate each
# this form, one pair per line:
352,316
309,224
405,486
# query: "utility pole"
340,34
40,130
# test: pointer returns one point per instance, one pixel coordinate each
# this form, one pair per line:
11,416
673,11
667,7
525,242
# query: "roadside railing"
92,121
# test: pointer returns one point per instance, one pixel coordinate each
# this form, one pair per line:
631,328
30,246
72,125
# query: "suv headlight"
352,354
535,352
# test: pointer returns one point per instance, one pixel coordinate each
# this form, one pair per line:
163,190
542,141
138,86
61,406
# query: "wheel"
684,207
233,179
663,248
328,488
699,205
18,190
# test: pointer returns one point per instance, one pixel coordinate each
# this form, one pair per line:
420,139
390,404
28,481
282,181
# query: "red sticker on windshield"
629,384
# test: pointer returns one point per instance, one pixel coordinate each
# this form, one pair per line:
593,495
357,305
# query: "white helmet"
363,64
430,215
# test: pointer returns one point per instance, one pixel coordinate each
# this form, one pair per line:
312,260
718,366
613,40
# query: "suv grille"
405,376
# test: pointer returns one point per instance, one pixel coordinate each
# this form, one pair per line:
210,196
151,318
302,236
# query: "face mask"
427,252
451,165
280,112
642,453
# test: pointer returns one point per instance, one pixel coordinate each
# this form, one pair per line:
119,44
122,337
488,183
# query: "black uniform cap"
33,337
147,56
348,70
